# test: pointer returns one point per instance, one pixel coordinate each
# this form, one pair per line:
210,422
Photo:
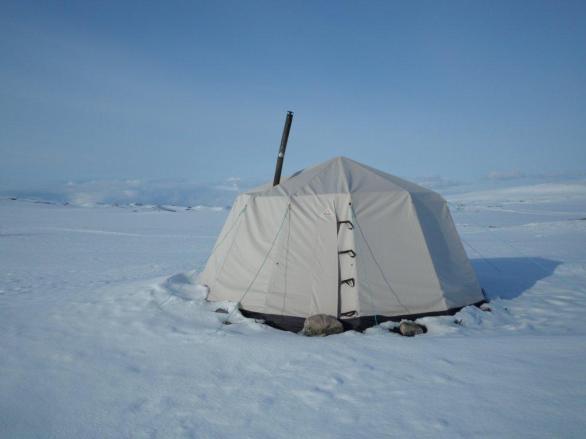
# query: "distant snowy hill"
125,192
222,193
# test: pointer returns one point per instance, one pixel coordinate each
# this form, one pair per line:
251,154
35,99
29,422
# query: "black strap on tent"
350,253
350,225
350,282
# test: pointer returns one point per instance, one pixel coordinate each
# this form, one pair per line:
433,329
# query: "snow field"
101,339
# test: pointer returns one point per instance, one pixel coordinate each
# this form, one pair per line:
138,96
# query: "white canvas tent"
343,239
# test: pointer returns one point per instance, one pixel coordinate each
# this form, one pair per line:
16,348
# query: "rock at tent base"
321,325
410,329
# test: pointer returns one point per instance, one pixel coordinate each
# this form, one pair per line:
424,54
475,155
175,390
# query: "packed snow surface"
105,333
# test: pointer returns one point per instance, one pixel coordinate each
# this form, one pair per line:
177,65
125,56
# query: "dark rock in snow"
164,208
221,311
410,329
321,325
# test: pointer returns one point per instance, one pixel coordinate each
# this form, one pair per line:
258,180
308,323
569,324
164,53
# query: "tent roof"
338,175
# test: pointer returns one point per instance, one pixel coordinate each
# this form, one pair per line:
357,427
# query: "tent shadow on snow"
508,278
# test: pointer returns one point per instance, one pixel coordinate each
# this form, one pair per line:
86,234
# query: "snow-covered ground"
104,333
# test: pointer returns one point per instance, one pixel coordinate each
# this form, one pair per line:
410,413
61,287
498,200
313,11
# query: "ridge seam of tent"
287,258
266,256
441,287
235,227
308,183
230,230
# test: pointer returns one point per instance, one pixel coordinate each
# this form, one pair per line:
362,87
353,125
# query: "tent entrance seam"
236,227
377,264
266,257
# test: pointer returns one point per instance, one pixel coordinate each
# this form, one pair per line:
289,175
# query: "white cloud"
436,182
505,175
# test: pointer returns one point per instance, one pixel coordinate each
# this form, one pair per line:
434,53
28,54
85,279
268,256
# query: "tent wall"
260,265
395,271
454,271
217,258
308,266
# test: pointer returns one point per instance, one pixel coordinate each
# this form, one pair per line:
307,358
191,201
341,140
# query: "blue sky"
199,90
